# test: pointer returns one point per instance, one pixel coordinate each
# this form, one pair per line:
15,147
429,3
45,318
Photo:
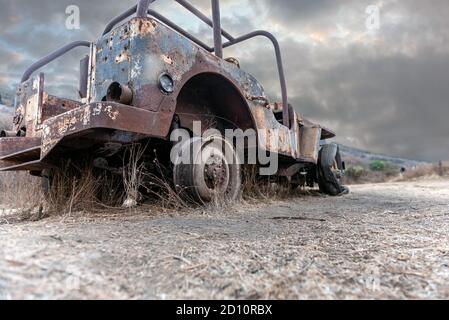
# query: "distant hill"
6,98
6,109
6,114
354,156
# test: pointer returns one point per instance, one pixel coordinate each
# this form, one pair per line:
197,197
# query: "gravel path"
381,241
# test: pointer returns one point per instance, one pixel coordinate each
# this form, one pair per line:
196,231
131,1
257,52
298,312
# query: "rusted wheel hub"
216,173
213,172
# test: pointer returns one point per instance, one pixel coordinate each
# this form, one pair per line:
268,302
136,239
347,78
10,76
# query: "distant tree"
1,101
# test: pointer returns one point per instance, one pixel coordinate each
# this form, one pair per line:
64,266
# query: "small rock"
390,212
129,203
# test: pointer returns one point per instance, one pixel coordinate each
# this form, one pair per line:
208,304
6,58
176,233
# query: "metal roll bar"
52,56
111,24
128,13
203,17
142,8
277,49
218,44
180,30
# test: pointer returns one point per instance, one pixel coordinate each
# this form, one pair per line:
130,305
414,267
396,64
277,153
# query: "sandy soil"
381,241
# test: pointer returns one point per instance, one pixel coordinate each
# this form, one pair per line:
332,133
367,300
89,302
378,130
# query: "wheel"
329,171
206,169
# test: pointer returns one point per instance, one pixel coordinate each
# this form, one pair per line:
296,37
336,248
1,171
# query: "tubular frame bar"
51,57
142,7
277,48
180,30
183,3
218,42
203,17
128,13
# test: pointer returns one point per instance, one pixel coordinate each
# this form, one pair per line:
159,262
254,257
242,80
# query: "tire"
328,179
213,172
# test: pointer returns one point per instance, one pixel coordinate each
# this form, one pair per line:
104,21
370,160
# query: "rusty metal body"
135,55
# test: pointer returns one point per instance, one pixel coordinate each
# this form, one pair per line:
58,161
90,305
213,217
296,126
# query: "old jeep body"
122,101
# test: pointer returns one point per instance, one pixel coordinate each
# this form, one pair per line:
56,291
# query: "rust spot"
144,26
123,56
167,59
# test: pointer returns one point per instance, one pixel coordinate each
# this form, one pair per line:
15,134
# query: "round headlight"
166,83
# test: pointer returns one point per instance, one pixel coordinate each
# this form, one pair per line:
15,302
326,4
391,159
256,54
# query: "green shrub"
377,165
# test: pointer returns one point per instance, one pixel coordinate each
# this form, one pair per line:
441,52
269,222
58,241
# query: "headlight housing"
166,83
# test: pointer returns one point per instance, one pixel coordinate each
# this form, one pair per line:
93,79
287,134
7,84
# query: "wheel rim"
214,173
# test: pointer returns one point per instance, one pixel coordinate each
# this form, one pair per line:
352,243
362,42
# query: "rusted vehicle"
146,77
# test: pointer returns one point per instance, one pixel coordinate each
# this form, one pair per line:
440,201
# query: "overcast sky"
383,88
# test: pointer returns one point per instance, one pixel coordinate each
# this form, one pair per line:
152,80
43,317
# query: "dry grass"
163,194
142,183
257,188
23,195
134,173
148,186
81,188
361,175
22,192
426,171
78,188
369,177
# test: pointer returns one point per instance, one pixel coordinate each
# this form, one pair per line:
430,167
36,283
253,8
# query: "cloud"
385,91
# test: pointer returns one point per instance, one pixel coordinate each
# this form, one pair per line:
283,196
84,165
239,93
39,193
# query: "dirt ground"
380,242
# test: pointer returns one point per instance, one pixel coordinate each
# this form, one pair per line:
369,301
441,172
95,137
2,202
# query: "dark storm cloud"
386,91
397,104
293,10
